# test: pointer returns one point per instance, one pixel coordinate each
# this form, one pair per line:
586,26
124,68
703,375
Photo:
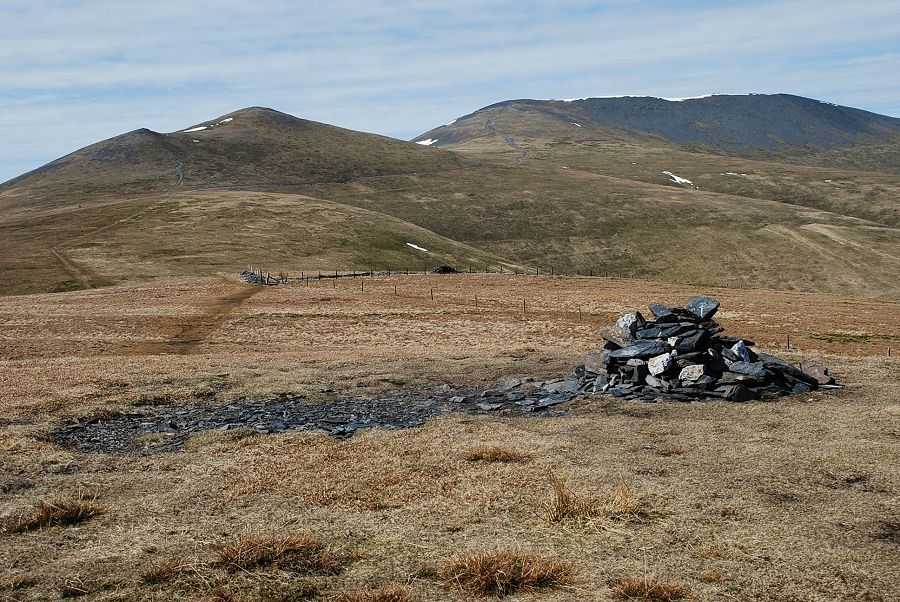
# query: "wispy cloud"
76,71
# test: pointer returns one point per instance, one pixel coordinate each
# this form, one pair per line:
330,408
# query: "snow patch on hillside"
677,179
416,247
427,142
578,125
196,129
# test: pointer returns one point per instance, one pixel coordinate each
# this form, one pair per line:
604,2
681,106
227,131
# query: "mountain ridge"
753,125
526,186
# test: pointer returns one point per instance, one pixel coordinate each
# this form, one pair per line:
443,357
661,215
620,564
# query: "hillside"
759,126
287,194
249,149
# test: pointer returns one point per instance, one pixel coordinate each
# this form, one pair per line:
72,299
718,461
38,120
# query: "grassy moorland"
288,194
789,500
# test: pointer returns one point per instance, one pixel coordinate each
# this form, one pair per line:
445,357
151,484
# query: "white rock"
740,350
659,364
628,323
692,372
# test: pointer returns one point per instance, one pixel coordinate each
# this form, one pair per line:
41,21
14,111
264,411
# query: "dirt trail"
77,274
489,125
201,327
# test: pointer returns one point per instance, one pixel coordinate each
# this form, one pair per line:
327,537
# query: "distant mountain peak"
745,124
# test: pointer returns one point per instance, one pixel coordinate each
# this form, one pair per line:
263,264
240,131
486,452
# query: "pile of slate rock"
682,355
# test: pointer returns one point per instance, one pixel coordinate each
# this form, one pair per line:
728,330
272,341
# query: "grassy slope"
575,220
203,232
596,201
867,194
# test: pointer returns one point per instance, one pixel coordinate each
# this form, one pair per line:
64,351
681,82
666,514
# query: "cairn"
682,355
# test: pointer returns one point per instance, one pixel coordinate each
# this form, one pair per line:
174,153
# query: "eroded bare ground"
792,500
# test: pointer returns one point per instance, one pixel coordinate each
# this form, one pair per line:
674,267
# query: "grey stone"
552,400
692,372
755,370
740,393
817,371
657,383
597,361
640,349
511,384
634,362
702,307
616,335
730,355
487,407
660,331
691,341
741,351
705,380
659,310
658,364
565,386
629,322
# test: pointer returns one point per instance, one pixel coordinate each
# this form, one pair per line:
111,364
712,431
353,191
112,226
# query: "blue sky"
73,72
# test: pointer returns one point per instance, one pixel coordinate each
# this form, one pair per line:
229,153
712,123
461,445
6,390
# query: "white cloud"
74,72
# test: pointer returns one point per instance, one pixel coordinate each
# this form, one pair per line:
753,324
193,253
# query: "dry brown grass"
504,572
165,571
495,454
405,497
296,552
672,450
619,504
649,589
383,594
61,512
222,594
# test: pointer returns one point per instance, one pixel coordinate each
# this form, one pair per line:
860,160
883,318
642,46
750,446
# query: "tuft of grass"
649,589
671,450
504,572
383,594
623,504
620,504
164,571
495,454
296,552
566,505
59,512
